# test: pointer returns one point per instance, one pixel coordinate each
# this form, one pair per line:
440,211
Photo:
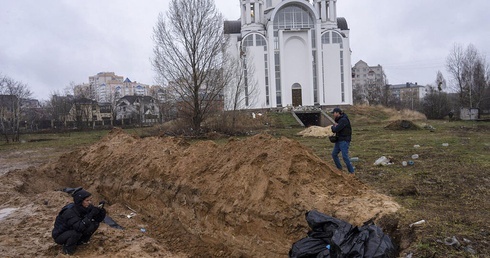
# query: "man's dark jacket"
79,219
343,128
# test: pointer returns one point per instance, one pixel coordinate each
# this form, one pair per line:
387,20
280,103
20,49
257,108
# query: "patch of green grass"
283,120
54,140
448,186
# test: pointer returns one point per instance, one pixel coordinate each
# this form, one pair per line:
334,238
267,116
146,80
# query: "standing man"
343,130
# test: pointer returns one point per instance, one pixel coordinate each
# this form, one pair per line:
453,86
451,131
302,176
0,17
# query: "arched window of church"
326,38
248,41
293,17
337,39
260,41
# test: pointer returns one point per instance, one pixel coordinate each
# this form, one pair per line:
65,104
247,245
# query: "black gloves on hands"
93,213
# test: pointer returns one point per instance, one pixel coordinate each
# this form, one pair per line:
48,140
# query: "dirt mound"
245,198
317,131
364,114
402,125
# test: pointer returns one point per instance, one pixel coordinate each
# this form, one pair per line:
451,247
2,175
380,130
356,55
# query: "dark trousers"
71,238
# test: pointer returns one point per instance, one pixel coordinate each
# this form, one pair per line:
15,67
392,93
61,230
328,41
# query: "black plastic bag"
343,239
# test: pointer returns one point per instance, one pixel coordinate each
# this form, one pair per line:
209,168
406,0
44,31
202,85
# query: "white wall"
331,61
257,83
296,66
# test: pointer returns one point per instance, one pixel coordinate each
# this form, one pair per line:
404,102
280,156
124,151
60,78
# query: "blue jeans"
342,146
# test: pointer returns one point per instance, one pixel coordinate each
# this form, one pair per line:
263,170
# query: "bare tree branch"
188,55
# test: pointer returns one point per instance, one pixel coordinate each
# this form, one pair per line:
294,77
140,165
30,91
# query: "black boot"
69,249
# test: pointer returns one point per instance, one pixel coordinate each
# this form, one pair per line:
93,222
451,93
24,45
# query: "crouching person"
77,221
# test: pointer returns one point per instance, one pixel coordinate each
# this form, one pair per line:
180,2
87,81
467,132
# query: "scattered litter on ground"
469,249
417,223
429,127
445,144
415,156
452,241
416,146
383,161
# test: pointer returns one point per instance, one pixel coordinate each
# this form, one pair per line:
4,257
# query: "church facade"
298,52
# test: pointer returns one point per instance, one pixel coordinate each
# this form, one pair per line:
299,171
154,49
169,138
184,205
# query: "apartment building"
109,87
363,74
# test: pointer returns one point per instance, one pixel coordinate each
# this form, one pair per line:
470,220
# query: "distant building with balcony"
363,74
407,91
109,87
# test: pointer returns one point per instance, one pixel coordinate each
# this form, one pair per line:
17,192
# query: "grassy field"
448,186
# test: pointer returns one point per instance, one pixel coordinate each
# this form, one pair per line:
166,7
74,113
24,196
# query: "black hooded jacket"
79,219
76,217
343,128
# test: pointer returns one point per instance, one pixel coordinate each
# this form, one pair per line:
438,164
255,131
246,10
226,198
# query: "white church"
299,50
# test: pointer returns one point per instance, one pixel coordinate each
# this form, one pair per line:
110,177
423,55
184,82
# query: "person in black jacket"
343,130
75,225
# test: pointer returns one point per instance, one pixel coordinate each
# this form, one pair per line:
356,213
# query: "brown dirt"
245,198
402,125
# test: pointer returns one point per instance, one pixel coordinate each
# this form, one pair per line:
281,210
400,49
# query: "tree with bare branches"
470,74
12,92
188,56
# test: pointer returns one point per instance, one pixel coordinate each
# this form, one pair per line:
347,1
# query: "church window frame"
256,40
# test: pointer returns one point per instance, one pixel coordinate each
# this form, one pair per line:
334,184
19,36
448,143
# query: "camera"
101,204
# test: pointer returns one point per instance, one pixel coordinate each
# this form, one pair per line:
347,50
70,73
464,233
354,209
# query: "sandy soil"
245,198
317,131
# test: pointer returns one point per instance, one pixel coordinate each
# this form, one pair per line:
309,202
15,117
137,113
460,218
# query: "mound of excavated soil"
317,131
245,198
402,125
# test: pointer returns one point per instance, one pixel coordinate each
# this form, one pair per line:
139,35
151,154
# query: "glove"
93,212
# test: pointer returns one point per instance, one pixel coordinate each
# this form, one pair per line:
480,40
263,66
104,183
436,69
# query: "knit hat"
80,195
337,110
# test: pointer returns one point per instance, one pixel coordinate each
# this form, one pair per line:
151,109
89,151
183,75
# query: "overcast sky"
48,44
